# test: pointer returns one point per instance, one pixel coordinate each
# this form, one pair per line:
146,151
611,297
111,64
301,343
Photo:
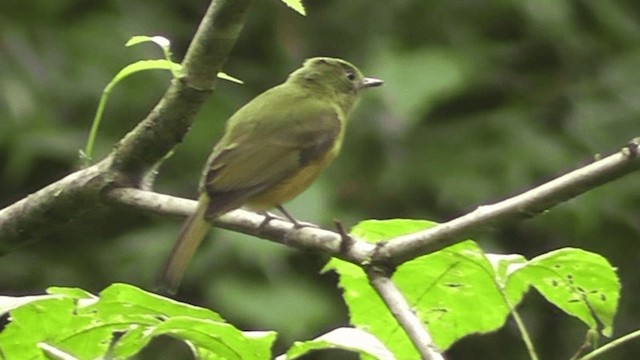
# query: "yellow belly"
291,186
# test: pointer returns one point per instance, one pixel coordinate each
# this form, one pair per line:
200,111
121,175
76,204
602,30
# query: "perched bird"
273,148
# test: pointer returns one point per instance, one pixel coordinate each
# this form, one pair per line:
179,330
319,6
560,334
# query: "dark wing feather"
252,159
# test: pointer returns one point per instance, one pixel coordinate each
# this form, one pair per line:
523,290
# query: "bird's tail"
190,237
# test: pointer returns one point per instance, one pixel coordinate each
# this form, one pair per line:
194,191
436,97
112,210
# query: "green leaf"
455,292
581,283
504,266
351,339
157,64
142,311
120,297
8,303
66,325
55,353
161,41
380,230
296,5
55,322
142,65
74,293
220,338
460,290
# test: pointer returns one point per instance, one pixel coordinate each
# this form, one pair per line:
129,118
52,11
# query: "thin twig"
401,310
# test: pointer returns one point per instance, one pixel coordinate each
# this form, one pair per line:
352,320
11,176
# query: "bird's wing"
260,156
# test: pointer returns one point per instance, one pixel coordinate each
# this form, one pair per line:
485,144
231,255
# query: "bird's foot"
296,224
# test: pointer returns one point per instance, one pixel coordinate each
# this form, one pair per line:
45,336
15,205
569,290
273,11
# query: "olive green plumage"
272,149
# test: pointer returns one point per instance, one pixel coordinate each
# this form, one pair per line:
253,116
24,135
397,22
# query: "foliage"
119,324
456,292
461,290
142,65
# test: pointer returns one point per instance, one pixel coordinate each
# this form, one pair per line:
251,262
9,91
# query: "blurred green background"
482,100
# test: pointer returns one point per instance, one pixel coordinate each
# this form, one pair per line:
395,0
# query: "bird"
272,149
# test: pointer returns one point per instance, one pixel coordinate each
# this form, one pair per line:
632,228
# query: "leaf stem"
610,346
525,334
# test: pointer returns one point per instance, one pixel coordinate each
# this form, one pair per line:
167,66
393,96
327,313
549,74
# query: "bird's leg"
296,224
286,214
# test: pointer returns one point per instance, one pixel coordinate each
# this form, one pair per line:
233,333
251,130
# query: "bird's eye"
351,75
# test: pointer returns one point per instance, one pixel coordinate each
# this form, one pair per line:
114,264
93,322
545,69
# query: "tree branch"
250,223
141,149
398,306
403,248
525,205
50,208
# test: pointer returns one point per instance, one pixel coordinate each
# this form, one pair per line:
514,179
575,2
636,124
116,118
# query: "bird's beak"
371,82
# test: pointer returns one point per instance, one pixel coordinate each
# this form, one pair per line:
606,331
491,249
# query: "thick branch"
397,304
139,151
44,211
170,120
403,248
